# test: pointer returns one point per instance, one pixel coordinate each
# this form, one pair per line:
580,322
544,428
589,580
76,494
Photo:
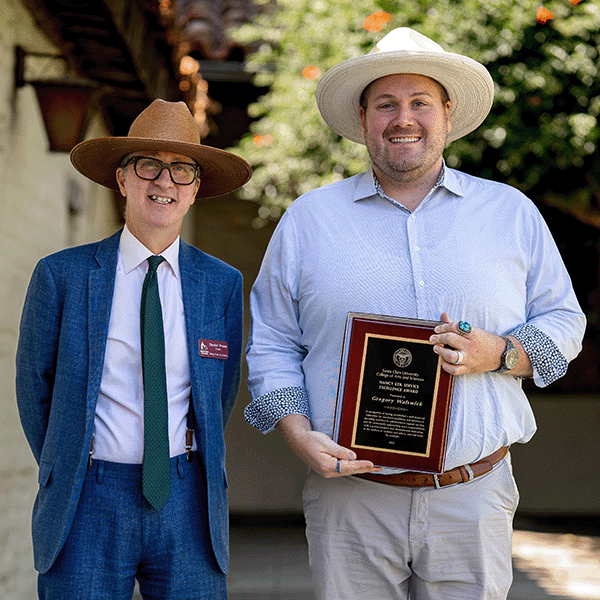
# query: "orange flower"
544,15
377,20
263,140
188,66
574,2
311,72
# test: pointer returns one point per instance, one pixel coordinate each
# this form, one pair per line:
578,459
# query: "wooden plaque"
394,398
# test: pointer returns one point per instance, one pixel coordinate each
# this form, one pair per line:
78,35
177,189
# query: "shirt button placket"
415,256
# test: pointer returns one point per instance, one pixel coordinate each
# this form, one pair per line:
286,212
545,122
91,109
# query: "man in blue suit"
80,379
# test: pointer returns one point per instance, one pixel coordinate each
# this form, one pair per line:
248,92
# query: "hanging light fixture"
64,99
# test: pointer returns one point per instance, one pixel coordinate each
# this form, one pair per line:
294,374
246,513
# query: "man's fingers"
351,467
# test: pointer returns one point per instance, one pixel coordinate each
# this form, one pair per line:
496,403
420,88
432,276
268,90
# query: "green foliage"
543,129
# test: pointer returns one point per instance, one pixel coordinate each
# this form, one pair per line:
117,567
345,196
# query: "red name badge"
213,349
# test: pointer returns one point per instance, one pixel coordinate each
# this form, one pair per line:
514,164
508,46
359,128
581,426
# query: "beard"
406,163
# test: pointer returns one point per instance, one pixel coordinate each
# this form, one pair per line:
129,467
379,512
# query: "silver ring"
464,328
461,357
338,466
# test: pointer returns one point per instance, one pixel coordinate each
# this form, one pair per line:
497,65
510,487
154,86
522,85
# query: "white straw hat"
469,85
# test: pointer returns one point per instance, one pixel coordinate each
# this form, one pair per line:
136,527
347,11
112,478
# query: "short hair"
363,96
123,161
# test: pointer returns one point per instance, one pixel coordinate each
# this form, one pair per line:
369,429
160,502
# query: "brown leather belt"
458,475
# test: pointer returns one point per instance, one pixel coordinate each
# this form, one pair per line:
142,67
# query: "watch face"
511,359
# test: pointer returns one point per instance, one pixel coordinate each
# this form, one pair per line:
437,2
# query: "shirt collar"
451,181
369,186
365,187
134,253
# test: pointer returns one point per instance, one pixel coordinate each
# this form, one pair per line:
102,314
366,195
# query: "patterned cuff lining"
546,359
267,410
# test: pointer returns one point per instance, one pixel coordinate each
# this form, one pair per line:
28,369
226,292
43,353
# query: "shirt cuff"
546,359
267,410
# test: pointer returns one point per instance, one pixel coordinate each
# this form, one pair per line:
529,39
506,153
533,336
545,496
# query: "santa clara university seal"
402,358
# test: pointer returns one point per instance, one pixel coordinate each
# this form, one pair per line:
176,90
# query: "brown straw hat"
403,50
169,127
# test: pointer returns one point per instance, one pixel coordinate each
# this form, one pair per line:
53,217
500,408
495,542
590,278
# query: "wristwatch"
510,357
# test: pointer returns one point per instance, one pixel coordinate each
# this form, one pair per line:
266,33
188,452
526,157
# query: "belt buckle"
436,481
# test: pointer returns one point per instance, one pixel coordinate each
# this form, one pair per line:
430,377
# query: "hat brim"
222,172
469,85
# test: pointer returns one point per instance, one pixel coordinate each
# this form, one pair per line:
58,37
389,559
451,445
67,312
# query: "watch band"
510,357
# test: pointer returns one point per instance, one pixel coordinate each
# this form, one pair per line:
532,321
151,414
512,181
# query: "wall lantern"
64,99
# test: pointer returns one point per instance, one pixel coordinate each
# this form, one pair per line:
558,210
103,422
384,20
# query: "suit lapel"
101,285
193,290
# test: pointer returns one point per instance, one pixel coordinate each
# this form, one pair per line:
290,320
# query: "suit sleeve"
234,334
36,355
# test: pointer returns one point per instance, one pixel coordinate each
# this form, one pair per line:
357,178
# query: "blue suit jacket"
60,356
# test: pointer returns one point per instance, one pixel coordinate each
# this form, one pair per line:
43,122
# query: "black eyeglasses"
181,173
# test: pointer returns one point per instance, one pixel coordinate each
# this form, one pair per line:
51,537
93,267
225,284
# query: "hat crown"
170,121
407,40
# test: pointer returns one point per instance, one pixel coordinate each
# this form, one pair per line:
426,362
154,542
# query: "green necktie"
156,477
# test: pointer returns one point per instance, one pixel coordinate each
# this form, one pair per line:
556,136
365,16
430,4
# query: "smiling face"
155,210
405,122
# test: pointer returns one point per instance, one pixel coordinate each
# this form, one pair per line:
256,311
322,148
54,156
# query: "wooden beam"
154,69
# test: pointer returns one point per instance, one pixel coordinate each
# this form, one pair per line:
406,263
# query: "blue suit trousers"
117,537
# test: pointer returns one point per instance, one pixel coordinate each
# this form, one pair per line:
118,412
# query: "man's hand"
319,451
475,352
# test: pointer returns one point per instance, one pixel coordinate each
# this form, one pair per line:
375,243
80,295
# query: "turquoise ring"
464,328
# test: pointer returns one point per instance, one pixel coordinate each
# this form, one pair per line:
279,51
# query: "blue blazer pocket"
45,471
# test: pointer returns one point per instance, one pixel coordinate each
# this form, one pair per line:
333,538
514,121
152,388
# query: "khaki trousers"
370,541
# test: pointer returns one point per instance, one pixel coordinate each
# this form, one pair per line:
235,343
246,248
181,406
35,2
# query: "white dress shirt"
119,422
474,248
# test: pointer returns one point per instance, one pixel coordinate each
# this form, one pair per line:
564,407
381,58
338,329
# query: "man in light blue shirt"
415,239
